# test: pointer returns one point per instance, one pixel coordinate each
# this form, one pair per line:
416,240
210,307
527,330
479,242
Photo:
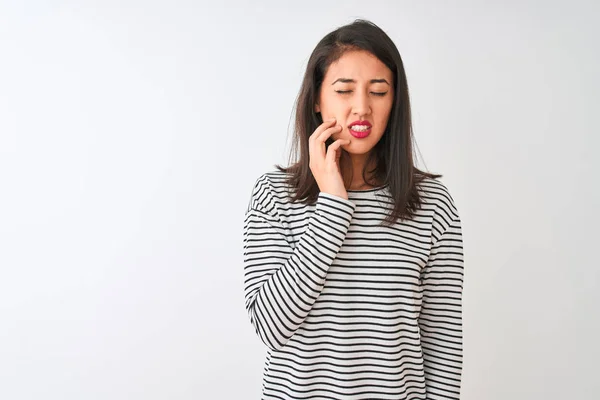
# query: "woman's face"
357,87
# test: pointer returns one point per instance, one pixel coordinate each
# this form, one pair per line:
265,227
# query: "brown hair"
393,154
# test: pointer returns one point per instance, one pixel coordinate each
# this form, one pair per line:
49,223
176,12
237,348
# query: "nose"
361,104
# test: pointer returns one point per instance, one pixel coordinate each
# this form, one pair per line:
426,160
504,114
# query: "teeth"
360,128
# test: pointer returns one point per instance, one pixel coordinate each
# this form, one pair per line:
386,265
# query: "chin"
358,149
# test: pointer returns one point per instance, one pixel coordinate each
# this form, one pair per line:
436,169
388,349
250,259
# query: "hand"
324,161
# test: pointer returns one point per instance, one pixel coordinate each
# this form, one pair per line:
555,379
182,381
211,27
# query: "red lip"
365,123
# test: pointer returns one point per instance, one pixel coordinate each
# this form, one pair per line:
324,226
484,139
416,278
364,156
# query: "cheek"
334,109
385,117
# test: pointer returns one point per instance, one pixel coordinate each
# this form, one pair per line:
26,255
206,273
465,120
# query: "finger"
314,149
317,149
327,133
318,144
322,128
334,149
321,140
326,124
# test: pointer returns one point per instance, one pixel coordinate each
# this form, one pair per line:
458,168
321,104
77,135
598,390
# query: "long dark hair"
392,155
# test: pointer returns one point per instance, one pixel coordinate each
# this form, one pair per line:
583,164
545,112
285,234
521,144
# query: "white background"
131,133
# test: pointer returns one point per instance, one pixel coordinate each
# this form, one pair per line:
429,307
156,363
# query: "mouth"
360,129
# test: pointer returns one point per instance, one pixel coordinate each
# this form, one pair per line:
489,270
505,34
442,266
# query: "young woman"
353,259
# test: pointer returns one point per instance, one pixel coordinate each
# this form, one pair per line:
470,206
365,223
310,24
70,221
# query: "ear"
317,108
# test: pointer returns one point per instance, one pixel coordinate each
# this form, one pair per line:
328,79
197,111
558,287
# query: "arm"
281,283
440,320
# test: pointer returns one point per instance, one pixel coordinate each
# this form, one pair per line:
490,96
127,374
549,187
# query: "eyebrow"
348,80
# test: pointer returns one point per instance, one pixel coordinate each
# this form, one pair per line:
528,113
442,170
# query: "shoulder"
272,183
435,193
269,189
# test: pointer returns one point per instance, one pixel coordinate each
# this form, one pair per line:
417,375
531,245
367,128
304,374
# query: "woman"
353,257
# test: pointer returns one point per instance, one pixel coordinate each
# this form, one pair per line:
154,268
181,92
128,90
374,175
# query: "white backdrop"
131,133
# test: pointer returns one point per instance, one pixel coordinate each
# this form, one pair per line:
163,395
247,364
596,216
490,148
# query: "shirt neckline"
367,190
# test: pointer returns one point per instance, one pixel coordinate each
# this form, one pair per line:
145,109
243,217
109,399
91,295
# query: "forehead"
358,64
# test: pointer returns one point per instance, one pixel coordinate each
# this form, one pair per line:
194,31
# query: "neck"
351,167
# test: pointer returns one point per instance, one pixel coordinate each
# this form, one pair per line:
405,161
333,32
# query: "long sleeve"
440,320
281,281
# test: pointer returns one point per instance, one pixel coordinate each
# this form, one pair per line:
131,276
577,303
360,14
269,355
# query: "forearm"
282,283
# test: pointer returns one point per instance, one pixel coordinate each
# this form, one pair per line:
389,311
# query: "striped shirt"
349,309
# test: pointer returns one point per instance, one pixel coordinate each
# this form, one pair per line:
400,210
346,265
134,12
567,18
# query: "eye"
381,94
